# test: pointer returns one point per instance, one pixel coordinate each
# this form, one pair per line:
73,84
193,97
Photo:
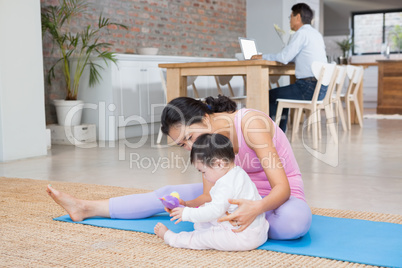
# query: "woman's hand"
176,214
244,215
182,202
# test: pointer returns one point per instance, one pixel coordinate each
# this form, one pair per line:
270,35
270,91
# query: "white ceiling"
361,5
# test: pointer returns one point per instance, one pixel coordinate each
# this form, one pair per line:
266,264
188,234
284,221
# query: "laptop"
248,47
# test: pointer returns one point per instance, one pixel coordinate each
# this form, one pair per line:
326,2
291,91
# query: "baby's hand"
176,214
181,202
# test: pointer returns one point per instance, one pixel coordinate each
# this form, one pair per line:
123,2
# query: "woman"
261,149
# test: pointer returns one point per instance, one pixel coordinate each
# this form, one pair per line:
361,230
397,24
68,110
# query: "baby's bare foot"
72,205
160,230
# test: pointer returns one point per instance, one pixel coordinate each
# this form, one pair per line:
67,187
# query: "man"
306,46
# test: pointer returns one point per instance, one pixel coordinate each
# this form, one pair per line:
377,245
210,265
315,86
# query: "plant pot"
342,60
69,112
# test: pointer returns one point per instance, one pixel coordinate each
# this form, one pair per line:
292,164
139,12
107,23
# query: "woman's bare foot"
74,207
160,230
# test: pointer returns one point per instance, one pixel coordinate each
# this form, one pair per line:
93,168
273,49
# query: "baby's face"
211,174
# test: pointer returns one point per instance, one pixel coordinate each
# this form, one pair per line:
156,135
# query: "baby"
213,156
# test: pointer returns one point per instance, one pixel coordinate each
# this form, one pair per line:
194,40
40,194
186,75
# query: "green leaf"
81,45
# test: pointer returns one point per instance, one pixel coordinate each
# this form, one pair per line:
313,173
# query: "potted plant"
396,37
345,45
83,46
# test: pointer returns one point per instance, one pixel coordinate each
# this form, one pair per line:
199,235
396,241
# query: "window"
373,31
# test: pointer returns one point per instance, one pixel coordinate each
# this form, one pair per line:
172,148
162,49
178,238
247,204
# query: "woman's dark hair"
305,12
210,147
188,111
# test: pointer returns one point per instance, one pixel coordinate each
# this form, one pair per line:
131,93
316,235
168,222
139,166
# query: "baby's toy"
171,201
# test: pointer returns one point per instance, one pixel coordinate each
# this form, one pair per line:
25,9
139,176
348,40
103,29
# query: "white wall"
263,14
22,109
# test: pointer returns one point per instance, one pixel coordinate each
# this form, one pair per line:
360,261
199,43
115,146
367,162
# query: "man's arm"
256,57
288,53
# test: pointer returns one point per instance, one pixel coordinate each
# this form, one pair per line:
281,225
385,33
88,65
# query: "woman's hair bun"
187,111
221,104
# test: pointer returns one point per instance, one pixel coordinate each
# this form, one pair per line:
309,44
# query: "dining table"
255,72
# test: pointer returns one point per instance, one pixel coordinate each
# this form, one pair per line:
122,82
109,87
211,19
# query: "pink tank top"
248,160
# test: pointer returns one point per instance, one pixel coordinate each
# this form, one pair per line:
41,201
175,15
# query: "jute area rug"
30,238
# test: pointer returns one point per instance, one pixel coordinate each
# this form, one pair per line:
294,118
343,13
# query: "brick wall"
202,28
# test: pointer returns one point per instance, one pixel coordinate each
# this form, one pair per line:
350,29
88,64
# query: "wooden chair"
224,80
325,74
336,96
333,90
274,79
355,75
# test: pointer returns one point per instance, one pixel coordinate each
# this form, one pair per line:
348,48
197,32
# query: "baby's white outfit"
208,233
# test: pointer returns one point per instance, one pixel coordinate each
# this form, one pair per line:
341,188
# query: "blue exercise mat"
352,240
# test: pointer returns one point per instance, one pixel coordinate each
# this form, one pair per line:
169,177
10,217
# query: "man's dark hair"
210,147
305,12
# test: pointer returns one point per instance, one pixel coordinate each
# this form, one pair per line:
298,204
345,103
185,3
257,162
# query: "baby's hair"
210,147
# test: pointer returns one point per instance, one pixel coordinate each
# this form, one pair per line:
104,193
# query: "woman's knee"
291,230
292,220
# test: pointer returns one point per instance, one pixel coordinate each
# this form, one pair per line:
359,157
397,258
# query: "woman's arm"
202,199
258,131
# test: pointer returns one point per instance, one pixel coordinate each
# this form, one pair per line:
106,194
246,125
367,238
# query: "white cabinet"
130,96
140,91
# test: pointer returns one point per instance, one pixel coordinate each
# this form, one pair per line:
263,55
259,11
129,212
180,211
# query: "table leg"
257,79
176,84
176,87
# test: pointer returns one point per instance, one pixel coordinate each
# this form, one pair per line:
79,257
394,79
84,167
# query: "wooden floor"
362,173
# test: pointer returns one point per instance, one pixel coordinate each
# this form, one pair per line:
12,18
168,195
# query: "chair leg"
195,90
308,115
358,113
341,115
348,113
298,118
218,86
278,114
331,123
319,124
159,139
240,104
314,118
296,122
335,111
231,90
